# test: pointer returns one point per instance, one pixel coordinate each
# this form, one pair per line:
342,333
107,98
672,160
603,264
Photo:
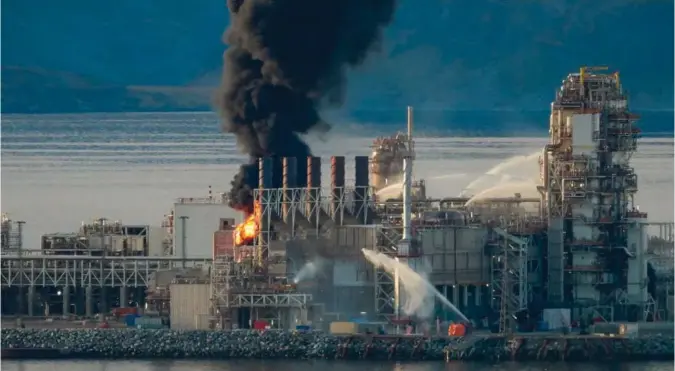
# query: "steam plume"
285,58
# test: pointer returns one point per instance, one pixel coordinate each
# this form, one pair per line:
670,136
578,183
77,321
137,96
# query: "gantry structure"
588,191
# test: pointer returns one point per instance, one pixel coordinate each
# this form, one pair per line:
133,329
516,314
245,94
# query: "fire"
247,230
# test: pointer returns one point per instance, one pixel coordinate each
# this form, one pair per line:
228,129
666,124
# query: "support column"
88,302
103,302
66,301
445,295
124,298
455,295
477,294
21,301
31,300
465,296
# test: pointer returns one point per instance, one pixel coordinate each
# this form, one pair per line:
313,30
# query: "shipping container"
655,328
190,304
609,329
130,320
456,329
121,312
149,323
631,330
260,324
344,328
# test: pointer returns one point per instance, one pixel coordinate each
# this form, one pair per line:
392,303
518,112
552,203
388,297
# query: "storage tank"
386,160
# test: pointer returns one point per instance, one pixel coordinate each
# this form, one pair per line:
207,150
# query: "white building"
194,223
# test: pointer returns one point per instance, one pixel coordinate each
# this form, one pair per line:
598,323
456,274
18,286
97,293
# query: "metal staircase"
509,278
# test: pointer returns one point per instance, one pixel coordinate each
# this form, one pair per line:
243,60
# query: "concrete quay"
167,344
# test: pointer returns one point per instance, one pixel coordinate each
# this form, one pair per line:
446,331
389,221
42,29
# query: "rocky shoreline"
166,344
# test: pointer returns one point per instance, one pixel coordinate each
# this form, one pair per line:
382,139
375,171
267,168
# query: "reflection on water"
250,365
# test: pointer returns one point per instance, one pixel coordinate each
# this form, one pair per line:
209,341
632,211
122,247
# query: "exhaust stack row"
291,174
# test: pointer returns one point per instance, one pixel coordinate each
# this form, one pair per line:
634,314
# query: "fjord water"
259,365
58,170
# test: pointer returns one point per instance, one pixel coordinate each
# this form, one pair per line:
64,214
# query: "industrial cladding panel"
582,132
355,237
190,306
203,220
453,239
351,301
223,243
156,238
434,241
352,273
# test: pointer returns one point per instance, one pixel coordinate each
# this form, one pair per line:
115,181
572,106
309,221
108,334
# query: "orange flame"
247,230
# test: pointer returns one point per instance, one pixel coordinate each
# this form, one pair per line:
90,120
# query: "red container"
122,312
260,324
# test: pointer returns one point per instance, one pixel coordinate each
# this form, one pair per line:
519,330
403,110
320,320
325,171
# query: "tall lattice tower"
588,188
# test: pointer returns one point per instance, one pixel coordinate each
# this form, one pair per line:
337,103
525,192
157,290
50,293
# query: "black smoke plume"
284,59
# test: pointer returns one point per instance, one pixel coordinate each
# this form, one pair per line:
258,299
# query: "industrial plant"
582,245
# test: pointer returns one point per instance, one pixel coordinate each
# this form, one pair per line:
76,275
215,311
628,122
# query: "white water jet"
395,190
447,176
392,190
308,271
492,174
418,292
508,189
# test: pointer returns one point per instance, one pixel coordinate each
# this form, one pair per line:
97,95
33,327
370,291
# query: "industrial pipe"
312,201
289,184
337,174
361,186
404,249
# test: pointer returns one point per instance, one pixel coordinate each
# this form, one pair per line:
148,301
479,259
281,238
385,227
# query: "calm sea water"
315,365
59,170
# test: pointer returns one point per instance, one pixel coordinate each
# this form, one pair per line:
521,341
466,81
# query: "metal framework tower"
509,278
588,189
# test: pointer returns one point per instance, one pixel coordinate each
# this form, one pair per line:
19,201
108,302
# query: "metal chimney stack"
337,176
313,202
265,191
290,185
361,188
404,248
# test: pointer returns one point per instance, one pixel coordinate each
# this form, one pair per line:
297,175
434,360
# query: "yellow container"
344,328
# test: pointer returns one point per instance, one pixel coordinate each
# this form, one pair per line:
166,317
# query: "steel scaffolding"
385,286
509,277
83,271
302,213
588,187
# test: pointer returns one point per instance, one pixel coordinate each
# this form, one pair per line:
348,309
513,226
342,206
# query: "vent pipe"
361,187
337,175
312,201
290,185
404,248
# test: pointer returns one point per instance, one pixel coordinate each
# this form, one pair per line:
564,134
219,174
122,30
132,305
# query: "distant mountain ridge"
84,56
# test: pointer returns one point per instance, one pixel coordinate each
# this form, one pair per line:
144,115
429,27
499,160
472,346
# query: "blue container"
542,326
302,328
130,320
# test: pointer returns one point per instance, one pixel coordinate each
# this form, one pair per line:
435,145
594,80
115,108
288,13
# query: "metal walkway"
83,271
